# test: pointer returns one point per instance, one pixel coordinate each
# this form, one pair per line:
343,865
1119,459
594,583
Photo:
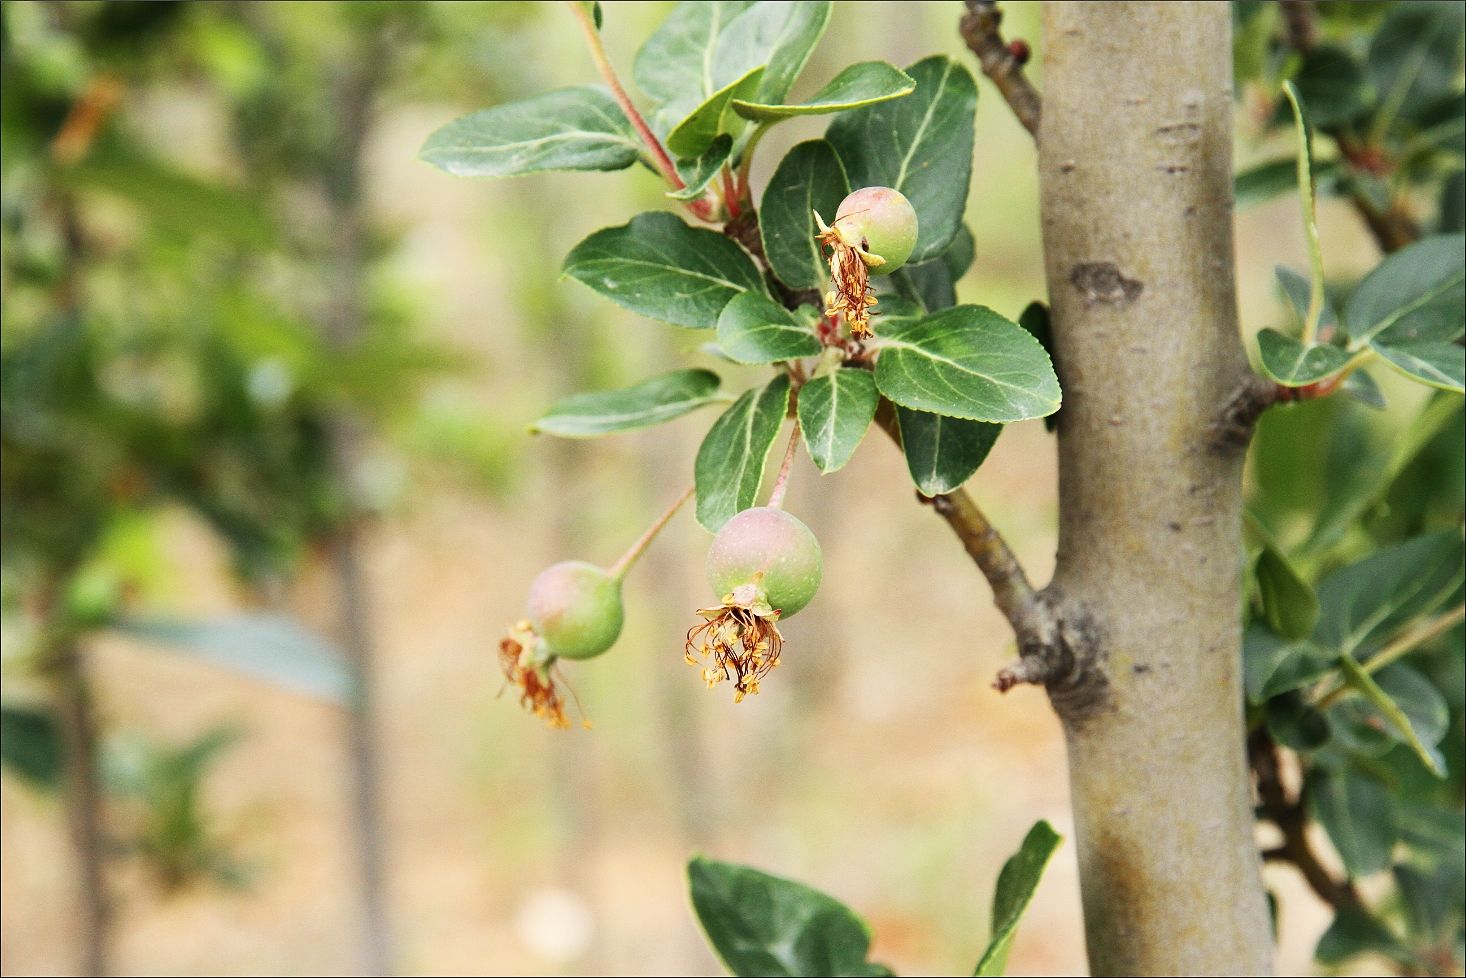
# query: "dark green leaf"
271,647
1361,605
1297,290
861,84
811,178
730,463
942,453
1035,319
700,171
966,362
920,145
1355,932
659,267
1453,204
1415,56
1356,810
755,329
679,67
579,128
1331,81
1289,605
835,409
1431,900
1429,708
783,36
30,744
1016,885
934,283
1296,724
1267,180
1361,386
1416,294
650,402
763,925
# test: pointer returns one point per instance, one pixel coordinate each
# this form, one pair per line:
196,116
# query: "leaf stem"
1309,204
624,563
1406,641
776,497
659,156
745,165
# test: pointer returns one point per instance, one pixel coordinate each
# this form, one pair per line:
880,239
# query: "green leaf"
763,925
695,133
861,84
1331,81
271,647
1271,665
1361,386
1415,295
966,362
920,145
676,65
1434,718
755,329
1440,364
1356,810
1363,604
579,128
703,48
1289,605
1355,932
810,178
1035,319
730,462
934,283
30,744
942,453
700,171
593,8
1016,885
834,410
1415,57
1453,204
1297,724
650,402
1298,292
1295,364
1263,182
661,268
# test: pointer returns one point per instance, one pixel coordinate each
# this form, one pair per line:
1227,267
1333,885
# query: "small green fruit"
770,550
575,607
883,222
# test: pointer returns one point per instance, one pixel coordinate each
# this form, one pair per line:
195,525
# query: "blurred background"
269,503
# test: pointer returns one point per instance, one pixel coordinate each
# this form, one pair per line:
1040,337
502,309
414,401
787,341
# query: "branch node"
1000,61
1032,670
1233,428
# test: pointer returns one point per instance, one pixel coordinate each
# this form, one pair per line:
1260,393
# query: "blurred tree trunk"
356,89
82,792
1136,188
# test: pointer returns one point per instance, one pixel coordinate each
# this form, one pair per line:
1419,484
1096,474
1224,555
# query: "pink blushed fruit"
770,553
883,222
575,608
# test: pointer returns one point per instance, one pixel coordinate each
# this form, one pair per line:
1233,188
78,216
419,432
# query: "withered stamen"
743,644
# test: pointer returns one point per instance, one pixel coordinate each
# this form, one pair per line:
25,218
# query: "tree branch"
1288,815
1001,62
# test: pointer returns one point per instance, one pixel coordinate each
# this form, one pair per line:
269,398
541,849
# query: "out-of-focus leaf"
271,647
920,145
1422,731
1288,604
1364,603
578,128
763,925
659,267
1354,932
1415,56
650,402
1332,82
1358,813
730,461
30,744
1274,178
1016,885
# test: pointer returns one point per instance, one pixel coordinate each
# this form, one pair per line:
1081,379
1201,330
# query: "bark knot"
1102,281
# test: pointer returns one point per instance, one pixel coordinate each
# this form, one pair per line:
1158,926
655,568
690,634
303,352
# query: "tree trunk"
1136,187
